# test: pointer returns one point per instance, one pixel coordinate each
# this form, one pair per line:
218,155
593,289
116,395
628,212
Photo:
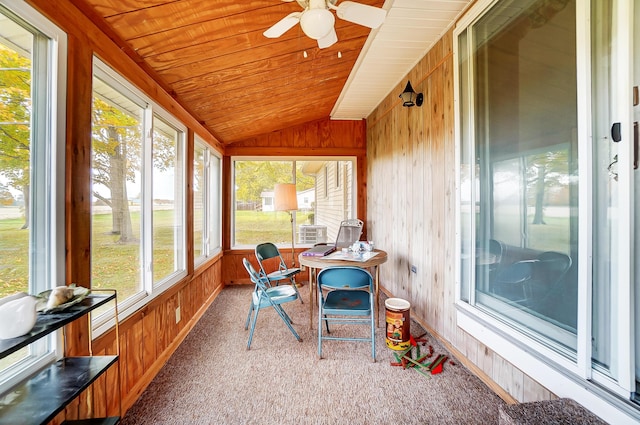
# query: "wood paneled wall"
411,171
149,336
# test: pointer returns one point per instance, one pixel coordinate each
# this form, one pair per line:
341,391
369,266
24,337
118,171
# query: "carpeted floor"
213,379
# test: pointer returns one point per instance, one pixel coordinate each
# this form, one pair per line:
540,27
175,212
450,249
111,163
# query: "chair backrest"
260,281
552,266
267,250
518,272
346,277
496,248
349,233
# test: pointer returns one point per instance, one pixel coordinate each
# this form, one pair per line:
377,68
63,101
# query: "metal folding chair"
264,296
349,300
268,251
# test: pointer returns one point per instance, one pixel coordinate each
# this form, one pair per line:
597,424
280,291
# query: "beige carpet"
213,379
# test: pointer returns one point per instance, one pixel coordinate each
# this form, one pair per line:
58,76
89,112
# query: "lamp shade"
317,23
286,198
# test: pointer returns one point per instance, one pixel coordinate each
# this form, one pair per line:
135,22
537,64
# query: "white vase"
17,315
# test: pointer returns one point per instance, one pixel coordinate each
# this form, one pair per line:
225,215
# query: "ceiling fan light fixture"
317,23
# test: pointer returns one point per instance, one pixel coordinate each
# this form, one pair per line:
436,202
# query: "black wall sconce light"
410,98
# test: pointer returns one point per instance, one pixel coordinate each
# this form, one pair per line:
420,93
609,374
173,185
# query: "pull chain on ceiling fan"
318,23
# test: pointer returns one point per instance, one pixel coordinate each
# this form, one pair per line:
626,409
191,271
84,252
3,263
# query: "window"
518,165
206,199
168,206
138,219
32,134
118,119
254,218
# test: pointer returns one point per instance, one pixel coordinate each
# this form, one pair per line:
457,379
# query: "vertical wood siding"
411,173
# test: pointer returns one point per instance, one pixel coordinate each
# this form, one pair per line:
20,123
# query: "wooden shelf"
40,398
47,323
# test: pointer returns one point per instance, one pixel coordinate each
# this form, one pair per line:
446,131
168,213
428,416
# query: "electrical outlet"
414,269
178,314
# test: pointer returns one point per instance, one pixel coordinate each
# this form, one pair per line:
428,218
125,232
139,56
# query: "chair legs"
343,320
283,315
293,283
253,324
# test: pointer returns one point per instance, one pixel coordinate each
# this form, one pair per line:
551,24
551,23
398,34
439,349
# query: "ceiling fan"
317,21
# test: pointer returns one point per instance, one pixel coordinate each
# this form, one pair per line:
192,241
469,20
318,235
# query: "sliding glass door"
550,181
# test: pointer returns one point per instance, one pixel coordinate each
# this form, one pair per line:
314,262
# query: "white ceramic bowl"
17,315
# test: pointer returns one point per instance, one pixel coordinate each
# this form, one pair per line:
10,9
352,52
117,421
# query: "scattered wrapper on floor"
406,359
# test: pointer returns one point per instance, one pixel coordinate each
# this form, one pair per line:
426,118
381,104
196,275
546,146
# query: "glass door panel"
525,197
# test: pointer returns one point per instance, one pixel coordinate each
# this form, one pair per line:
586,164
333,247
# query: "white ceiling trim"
411,28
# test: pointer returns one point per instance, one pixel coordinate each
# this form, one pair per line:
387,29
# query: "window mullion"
206,200
146,213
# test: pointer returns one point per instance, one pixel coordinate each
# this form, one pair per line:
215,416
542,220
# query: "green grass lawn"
253,227
14,247
117,266
114,265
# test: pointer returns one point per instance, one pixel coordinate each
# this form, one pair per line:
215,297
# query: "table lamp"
286,199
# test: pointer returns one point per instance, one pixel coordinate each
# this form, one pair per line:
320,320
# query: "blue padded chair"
349,300
512,281
267,251
264,296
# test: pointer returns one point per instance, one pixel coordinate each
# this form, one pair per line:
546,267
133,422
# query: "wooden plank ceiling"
212,57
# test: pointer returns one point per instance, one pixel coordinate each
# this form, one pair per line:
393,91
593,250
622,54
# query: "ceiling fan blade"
328,40
283,25
361,14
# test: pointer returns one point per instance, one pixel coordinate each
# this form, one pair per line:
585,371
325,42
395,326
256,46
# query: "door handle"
616,133
635,145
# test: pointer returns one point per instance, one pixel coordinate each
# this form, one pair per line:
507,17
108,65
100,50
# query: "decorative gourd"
17,315
59,295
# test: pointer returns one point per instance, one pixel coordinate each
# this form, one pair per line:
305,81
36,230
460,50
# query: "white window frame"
103,322
298,158
212,198
51,159
180,237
